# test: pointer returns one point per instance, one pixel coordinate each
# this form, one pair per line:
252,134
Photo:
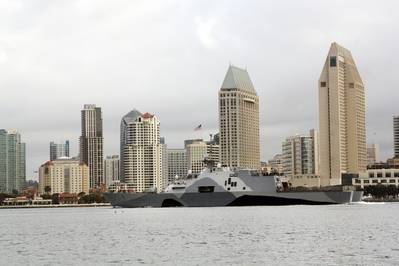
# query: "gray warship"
215,187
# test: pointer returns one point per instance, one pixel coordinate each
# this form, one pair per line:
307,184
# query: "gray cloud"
170,57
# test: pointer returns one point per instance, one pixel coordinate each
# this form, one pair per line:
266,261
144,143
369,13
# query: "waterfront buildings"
141,152
91,143
341,118
196,153
300,155
111,169
58,150
239,121
12,161
396,136
213,149
64,175
177,163
276,164
373,154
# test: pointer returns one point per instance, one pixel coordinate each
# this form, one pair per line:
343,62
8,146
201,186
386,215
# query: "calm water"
362,234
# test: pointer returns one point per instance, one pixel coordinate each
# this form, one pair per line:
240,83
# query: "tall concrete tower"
341,117
239,121
91,144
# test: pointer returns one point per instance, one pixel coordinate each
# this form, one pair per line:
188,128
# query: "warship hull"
218,199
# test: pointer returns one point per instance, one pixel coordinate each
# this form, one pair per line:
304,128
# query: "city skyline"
74,77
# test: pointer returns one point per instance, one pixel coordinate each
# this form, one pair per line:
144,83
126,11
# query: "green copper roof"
238,78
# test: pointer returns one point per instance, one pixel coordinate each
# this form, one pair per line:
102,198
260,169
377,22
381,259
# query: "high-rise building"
142,151
341,117
177,163
299,156
396,136
196,153
373,154
63,175
239,121
91,144
128,119
111,169
58,150
12,161
164,149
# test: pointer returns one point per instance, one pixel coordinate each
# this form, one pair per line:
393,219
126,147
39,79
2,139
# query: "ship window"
357,181
225,182
243,188
351,85
333,61
228,188
206,189
229,181
375,181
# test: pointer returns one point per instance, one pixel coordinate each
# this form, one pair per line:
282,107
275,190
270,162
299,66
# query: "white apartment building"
300,155
142,152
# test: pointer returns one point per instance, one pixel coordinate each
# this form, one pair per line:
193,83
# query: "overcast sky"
170,57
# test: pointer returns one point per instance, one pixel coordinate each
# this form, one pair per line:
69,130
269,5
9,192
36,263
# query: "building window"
391,180
383,180
375,181
388,174
333,61
396,174
357,181
379,174
351,85
323,84
371,174
366,181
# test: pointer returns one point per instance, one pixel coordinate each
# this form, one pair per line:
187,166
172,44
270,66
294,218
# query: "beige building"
64,175
91,143
196,153
373,177
341,117
239,121
142,153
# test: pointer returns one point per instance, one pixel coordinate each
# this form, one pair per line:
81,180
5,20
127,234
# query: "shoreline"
381,200
55,206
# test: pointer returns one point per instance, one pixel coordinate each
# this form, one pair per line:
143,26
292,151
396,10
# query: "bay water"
352,234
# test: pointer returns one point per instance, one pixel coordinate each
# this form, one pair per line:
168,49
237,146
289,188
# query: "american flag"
199,127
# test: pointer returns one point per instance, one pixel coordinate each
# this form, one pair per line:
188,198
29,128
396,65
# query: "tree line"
381,191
